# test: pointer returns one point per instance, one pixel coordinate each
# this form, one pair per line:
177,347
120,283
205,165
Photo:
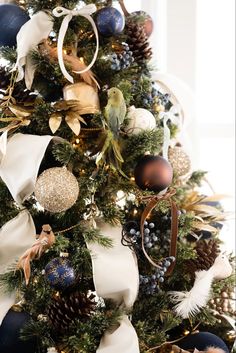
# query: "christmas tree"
107,243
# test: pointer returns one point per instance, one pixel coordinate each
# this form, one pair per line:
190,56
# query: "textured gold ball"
56,190
86,95
180,161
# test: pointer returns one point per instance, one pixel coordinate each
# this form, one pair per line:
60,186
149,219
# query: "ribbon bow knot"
85,12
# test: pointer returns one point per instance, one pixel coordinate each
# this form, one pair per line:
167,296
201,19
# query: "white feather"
190,303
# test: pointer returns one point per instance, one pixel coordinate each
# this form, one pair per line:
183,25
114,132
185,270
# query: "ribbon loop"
152,203
85,12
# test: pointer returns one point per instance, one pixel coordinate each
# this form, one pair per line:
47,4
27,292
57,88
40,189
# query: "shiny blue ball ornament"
60,273
12,18
110,21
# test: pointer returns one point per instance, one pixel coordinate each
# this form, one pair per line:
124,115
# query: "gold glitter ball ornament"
56,190
179,160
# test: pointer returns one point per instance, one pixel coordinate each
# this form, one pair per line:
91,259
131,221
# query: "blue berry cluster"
150,284
154,239
161,98
123,60
151,96
147,99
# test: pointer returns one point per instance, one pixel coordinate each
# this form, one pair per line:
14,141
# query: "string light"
186,332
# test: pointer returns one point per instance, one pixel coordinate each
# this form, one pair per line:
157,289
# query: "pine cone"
138,42
20,92
207,252
65,309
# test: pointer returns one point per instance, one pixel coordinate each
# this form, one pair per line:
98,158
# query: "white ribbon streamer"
174,118
116,277
28,38
3,145
124,339
18,169
16,237
20,166
85,12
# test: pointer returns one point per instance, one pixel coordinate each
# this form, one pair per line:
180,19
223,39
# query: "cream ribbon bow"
85,12
18,170
29,36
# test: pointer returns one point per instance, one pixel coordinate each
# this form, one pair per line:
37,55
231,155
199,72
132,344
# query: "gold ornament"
56,190
180,161
72,113
80,98
158,108
16,116
86,95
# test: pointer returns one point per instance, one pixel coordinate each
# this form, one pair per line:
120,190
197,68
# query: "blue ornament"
110,21
12,18
10,332
60,274
201,341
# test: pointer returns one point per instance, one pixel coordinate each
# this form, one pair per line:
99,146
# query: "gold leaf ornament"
20,118
71,110
79,99
74,123
55,122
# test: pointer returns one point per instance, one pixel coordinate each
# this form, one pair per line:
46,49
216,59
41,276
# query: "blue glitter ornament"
60,274
110,21
12,18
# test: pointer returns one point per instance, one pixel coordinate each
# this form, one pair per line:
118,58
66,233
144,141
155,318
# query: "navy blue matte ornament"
60,273
12,18
202,341
109,21
10,341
